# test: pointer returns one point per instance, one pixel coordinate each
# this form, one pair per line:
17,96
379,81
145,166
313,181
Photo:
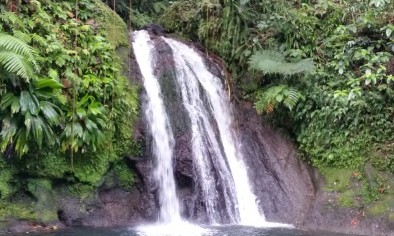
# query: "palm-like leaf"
29,117
11,18
268,99
84,127
16,56
271,62
15,63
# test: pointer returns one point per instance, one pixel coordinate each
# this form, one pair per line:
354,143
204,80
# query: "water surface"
211,231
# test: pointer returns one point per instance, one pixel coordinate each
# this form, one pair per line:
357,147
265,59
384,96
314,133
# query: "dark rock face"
154,29
280,180
324,215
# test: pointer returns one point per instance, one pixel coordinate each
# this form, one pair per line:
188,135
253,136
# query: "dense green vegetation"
63,99
321,70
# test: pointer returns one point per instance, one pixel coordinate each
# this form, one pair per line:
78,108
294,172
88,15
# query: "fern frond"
22,36
11,18
18,46
268,99
39,39
271,62
15,63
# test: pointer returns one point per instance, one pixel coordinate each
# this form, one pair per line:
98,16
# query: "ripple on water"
180,228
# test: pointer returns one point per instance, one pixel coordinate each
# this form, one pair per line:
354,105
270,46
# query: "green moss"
182,17
7,185
337,179
347,199
90,167
44,207
26,212
124,174
14,210
81,191
112,24
382,206
391,216
382,157
45,164
37,187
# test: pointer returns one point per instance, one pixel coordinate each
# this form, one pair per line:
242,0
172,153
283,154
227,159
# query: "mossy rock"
383,206
16,211
124,175
348,199
337,180
82,191
371,175
44,207
391,216
44,164
112,24
23,211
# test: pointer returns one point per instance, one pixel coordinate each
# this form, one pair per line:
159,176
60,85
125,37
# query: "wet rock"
108,208
22,226
154,29
280,180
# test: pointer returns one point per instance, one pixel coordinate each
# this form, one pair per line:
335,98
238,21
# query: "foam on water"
181,228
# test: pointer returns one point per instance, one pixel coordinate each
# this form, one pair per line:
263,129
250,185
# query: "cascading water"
163,140
227,197
191,74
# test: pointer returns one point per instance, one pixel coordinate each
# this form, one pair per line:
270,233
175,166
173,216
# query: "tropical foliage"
324,65
320,70
63,97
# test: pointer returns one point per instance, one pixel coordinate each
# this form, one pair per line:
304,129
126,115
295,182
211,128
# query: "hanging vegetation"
63,97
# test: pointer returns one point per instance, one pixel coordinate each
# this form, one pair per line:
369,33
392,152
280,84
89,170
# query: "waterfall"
218,161
163,140
193,76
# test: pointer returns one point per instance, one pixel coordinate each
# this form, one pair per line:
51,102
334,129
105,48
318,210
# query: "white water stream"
214,142
163,139
191,73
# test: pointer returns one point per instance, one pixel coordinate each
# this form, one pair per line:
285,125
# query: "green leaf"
15,63
28,102
244,2
7,101
60,61
388,32
25,101
53,74
15,106
37,129
49,112
279,98
272,62
21,146
77,130
95,108
47,83
90,125
81,113
84,27
84,100
28,123
8,131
